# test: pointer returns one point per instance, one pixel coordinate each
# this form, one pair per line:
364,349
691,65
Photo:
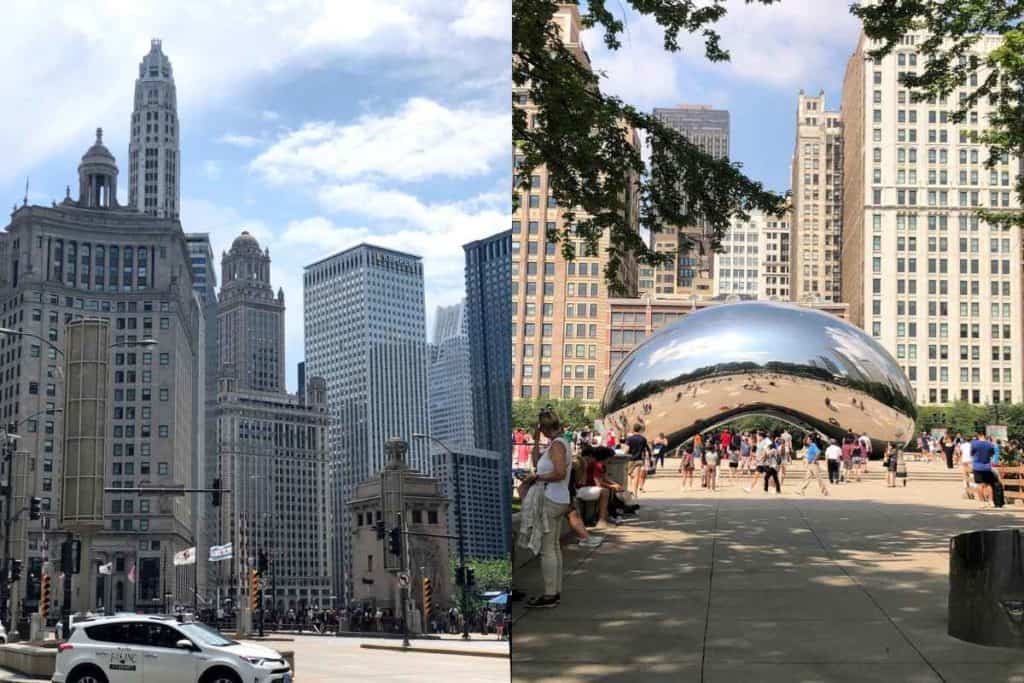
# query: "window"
162,431
162,469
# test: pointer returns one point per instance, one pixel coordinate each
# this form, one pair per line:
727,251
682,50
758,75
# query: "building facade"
154,182
817,201
754,260
690,272
92,257
483,477
936,285
451,378
366,336
557,305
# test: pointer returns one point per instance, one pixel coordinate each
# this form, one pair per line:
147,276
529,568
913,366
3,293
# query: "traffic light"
381,531
395,541
35,508
427,599
470,578
15,570
255,600
44,597
261,562
460,576
216,493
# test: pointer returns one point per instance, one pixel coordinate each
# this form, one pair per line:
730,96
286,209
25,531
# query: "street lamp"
458,521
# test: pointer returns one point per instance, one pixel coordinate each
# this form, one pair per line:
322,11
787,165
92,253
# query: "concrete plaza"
326,659
730,586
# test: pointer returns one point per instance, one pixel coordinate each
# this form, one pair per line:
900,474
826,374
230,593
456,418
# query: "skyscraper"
817,216
154,172
91,256
366,336
557,305
936,285
272,445
690,271
754,261
251,320
451,378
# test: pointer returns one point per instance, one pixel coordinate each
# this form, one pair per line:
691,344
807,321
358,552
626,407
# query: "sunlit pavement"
730,586
324,659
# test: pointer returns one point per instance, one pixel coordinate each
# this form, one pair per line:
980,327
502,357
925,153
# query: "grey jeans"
551,547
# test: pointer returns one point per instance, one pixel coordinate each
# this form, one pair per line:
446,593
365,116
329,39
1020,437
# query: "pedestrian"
639,452
966,471
813,454
522,450
771,469
686,466
833,456
658,452
759,456
711,467
891,463
948,448
981,465
553,472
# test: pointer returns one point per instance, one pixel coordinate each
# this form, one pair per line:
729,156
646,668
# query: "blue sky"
776,51
314,125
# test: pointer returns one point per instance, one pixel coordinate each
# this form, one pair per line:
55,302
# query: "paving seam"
711,576
870,597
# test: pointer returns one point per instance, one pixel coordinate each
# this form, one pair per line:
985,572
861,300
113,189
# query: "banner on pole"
107,568
221,552
186,556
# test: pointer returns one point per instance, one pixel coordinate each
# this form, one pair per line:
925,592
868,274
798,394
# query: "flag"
131,573
221,552
186,556
107,568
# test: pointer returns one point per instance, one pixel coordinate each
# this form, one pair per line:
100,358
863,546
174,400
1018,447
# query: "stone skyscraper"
754,261
939,287
272,445
154,167
251,319
690,271
817,215
92,257
366,336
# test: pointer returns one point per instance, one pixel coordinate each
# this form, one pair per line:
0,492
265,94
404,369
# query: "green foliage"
490,575
953,29
968,418
574,413
594,169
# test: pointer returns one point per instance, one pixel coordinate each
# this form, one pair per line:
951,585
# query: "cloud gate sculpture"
794,363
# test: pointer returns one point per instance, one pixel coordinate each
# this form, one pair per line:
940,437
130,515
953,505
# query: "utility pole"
404,589
5,586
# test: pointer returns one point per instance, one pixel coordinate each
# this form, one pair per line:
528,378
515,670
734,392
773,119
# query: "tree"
489,576
953,29
594,170
574,413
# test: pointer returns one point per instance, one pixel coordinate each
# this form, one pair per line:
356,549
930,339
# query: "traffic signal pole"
5,588
462,546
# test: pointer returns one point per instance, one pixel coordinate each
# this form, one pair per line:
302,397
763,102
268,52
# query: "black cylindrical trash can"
24,629
986,587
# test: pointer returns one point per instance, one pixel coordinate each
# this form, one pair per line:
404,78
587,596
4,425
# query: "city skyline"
399,160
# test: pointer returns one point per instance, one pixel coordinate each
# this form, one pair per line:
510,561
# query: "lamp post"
458,522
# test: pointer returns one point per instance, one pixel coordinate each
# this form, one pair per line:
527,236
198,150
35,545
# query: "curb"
435,651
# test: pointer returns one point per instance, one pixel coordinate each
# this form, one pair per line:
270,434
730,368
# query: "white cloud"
218,49
422,139
485,19
239,140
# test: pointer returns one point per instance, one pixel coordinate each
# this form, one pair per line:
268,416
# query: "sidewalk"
729,586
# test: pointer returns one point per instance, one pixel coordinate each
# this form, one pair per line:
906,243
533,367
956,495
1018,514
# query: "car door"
164,661
115,648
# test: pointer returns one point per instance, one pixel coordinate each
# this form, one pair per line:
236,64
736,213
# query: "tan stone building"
817,185
559,305
424,510
754,258
937,286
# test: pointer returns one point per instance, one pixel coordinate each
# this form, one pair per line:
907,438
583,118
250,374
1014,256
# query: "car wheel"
90,675
220,675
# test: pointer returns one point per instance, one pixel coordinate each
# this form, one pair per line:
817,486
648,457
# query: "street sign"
403,580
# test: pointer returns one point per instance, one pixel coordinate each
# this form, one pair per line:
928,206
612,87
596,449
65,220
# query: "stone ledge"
28,659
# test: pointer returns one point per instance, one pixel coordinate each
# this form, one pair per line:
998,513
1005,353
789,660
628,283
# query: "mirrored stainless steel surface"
795,363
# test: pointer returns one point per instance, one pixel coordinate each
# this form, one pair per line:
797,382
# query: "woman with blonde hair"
552,472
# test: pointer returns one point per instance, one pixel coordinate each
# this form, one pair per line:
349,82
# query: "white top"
555,491
965,451
762,446
833,452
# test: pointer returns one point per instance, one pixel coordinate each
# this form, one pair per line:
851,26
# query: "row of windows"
544,391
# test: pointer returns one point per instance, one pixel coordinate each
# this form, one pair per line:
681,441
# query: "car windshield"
204,634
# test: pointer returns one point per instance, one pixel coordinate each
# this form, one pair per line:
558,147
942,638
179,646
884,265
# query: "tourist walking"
966,470
711,460
552,499
813,454
522,450
771,469
658,452
891,462
948,449
981,464
833,456
686,466
639,452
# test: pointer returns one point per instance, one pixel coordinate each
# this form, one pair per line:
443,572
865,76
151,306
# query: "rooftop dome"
98,153
245,241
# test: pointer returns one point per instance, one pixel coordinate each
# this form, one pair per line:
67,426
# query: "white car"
141,648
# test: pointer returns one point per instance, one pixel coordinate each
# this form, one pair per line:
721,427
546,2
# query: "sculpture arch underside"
793,363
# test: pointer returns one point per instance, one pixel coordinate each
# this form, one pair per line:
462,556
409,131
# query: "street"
325,659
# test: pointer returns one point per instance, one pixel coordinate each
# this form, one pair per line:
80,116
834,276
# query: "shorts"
984,477
589,493
760,468
733,464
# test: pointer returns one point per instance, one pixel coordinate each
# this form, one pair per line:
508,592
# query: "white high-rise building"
754,261
154,169
937,286
366,336
451,381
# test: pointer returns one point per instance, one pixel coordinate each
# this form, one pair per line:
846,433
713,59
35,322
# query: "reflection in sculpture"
761,358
